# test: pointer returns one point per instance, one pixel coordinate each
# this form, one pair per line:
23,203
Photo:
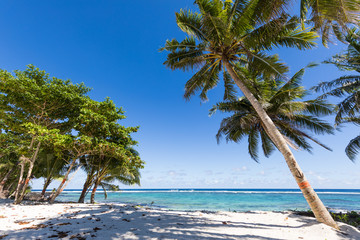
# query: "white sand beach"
120,221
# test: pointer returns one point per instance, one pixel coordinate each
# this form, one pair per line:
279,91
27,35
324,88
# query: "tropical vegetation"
346,87
284,104
48,125
227,34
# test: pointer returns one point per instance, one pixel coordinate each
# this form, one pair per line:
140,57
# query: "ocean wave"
230,192
219,191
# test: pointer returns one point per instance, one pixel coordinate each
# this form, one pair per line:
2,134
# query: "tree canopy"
51,123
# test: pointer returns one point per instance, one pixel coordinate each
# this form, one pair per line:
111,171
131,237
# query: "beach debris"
2,216
61,224
126,220
226,222
59,234
2,236
96,229
22,222
37,226
78,236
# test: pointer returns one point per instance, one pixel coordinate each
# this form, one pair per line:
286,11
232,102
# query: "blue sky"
112,46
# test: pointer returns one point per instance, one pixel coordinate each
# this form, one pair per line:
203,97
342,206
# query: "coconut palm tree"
348,86
127,175
224,34
50,166
104,170
282,102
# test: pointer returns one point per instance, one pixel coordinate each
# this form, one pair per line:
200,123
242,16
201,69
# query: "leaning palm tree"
283,104
104,170
224,34
128,175
347,86
50,166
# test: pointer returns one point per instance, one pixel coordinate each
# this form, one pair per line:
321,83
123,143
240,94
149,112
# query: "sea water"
225,199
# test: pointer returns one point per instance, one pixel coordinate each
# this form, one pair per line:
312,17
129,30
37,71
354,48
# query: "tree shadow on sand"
129,222
345,232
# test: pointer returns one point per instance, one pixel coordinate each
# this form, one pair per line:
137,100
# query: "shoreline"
124,221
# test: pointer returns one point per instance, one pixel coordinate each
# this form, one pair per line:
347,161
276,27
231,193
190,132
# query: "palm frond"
230,90
196,82
348,107
185,59
267,64
314,124
281,32
294,135
318,107
253,141
240,106
293,83
338,87
267,145
353,148
190,23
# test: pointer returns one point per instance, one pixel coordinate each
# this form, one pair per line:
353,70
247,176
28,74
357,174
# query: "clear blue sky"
112,46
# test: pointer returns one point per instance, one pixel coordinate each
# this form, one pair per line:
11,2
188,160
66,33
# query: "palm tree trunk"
46,184
92,197
83,193
85,189
320,212
65,181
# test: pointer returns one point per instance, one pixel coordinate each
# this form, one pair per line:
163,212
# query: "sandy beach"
120,221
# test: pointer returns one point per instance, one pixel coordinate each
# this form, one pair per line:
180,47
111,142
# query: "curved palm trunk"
84,191
320,212
46,184
87,184
62,184
92,197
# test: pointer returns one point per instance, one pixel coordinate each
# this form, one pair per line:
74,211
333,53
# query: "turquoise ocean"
226,199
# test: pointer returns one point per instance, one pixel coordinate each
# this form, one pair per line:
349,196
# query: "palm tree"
347,86
282,102
103,170
128,175
224,34
50,166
